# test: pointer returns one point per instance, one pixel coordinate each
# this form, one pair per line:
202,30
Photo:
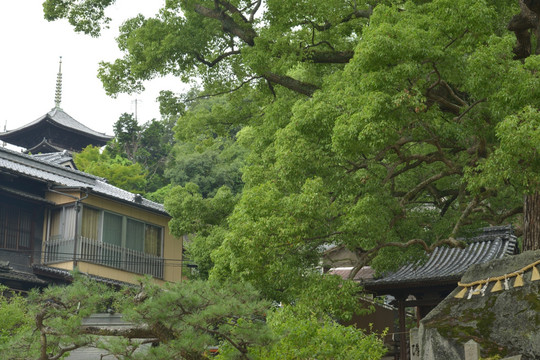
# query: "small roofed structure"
426,283
54,132
62,158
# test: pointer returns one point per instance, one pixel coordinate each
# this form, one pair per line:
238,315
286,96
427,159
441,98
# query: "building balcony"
58,250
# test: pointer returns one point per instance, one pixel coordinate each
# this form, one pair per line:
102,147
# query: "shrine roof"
446,265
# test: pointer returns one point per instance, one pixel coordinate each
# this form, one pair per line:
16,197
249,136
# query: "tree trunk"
531,222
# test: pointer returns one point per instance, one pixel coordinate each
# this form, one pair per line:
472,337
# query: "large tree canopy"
386,127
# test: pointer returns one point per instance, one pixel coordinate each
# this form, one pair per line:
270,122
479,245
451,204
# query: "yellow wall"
103,271
62,199
66,265
111,273
172,247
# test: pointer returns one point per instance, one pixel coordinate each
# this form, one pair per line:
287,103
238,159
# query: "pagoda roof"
45,147
57,130
446,265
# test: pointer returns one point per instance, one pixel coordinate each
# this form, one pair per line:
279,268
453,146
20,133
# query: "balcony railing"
97,252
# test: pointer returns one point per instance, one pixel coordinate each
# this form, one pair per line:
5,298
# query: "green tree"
303,335
206,152
148,145
205,219
127,137
370,122
118,171
187,318
47,324
14,319
215,164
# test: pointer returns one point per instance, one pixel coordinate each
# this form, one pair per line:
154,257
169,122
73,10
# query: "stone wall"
504,323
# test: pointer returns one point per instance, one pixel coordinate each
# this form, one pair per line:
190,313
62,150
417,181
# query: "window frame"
16,209
124,231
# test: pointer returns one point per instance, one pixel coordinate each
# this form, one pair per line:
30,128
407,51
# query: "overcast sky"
30,50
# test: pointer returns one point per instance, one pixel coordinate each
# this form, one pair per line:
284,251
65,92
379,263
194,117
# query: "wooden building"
424,284
54,219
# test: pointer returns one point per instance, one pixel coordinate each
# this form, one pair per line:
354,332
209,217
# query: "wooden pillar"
402,330
531,222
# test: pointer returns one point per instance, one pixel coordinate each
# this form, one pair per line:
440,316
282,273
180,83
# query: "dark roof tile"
445,264
62,176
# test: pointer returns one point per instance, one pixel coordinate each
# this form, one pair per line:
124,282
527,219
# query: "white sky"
30,49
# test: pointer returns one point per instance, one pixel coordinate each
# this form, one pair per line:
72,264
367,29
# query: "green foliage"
126,137
86,16
516,161
210,165
148,145
367,125
303,335
14,318
192,316
47,324
118,171
204,218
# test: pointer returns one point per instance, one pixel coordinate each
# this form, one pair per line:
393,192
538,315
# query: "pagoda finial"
58,93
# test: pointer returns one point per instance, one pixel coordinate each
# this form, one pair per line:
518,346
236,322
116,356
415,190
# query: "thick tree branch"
254,11
521,23
464,215
224,92
242,349
414,191
233,9
245,32
291,84
356,14
65,350
131,332
458,118
218,59
329,57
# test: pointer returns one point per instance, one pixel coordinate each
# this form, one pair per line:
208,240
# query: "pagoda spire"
58,93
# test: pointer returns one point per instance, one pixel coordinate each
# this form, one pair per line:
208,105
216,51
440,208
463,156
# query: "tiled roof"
44,270
62,119
446,264
58,158
8,274
62,176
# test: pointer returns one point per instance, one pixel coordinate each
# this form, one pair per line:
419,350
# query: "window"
112,229
121,231
135,235
90,223
152,240
63,222
17,224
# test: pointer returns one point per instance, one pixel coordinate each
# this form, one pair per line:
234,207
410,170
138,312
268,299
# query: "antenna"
136,102
58,93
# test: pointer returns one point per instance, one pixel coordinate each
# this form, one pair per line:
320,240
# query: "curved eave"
94,136
44,147
20,135
383,287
